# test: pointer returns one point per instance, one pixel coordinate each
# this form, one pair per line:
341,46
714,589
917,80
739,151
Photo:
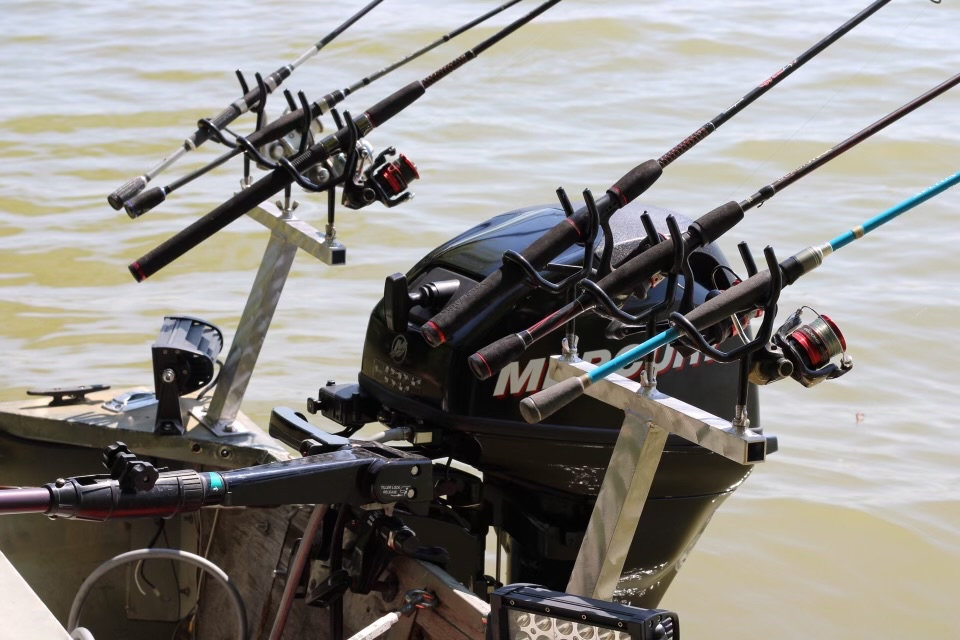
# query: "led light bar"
529,612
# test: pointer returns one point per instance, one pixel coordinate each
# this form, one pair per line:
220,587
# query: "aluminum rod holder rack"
287,234
650,416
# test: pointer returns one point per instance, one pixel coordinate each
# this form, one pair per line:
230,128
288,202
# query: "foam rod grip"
752,291
636,181
395,103
495,356
219,121
717,222
545,403
441,327
204,227
290,121
637,272
143,202
126,191
452,317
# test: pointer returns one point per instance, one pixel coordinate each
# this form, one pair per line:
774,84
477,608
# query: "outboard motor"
540,481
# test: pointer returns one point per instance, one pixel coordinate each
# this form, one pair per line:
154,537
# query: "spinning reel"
800,350
365,178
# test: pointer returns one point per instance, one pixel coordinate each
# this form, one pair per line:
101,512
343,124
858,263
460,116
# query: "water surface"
852,530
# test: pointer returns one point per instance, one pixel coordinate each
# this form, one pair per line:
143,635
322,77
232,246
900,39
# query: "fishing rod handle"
24,500
548,401
290,121
222,119
739,297
452,318
640,269
127,190
262,189
204,227
754,290
144,201
496,355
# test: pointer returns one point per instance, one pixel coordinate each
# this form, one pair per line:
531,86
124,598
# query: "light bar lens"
522,625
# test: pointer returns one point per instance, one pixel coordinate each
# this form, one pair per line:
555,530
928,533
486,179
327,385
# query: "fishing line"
870,62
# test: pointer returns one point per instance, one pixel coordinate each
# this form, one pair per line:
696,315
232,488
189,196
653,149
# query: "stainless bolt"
411,493
168,375
415,470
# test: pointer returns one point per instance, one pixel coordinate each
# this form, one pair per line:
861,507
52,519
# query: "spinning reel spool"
812,347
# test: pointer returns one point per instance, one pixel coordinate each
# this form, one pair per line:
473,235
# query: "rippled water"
852,530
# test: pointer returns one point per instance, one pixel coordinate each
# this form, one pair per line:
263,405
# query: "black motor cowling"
540,481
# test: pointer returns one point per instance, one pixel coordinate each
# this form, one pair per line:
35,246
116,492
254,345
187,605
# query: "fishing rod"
738,298
282,176
237,108
644,267
470,306
147,200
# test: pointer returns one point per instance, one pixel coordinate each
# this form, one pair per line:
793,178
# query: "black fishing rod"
282,176
470,306
291,121
645,266
235,110
735,300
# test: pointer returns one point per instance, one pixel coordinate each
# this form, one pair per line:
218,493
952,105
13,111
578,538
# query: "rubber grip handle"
126,191
143,202
636,181
717,222
737,298
641,268
496,355
231,113
452,317
203,228
290,121
545,403
395,103
441,327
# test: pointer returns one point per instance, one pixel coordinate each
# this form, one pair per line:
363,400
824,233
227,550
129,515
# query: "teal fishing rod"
284,175
738,298
638,272
236,109
294,119
471,307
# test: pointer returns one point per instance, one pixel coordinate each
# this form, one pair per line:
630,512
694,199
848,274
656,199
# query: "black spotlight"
183,361
529,612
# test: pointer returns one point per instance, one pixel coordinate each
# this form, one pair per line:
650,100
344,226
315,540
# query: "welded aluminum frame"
287,234
649,417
